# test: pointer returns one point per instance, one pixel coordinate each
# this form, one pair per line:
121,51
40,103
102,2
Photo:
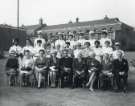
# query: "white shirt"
87,52
36,50
26,63
61,43
98,52
103,40
17,49
114,55
82,41
92,42
59,54
30,48
107,50
72,44
43,42
77,52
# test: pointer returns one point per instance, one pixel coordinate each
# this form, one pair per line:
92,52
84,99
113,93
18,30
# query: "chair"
26,78
65,76
12,77
107,77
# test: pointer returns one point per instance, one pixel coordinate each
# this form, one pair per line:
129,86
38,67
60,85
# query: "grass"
65,97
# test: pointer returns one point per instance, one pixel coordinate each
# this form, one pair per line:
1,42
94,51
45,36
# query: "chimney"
41,21
106,17
70,22
77,20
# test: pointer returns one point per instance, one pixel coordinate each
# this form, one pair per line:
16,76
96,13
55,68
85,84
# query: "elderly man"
120,71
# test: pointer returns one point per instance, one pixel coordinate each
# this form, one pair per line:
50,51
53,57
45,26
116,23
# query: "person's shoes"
125,90
117,90
91,89
87,85
72,87
39,87
83,86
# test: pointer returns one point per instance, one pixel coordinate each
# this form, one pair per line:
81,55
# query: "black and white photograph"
67,53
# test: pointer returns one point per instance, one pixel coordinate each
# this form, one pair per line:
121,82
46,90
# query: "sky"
61,11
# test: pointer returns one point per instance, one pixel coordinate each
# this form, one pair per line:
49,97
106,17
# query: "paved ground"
63,97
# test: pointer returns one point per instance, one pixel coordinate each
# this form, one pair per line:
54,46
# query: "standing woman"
41,67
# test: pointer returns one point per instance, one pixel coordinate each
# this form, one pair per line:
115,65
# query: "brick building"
117,30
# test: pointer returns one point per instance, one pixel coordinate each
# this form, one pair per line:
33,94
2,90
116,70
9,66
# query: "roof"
113,23
32,28
86,23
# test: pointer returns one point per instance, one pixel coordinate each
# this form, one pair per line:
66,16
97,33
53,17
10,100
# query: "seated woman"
53,70
12,66
79,70
106,76
93,67
41,67
26,67
66,69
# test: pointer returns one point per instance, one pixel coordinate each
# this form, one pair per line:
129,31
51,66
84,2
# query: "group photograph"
67,53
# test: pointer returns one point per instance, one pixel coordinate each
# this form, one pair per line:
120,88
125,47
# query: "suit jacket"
79,66
120,66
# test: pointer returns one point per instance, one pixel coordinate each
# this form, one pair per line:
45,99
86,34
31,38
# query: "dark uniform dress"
12,63
79,70
40,63
118,68
66,69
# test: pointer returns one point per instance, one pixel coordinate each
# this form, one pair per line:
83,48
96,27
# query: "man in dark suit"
120,71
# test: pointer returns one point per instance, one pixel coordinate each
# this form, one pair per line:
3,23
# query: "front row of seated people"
86,68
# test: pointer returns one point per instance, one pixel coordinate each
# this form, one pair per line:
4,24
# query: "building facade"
117,30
